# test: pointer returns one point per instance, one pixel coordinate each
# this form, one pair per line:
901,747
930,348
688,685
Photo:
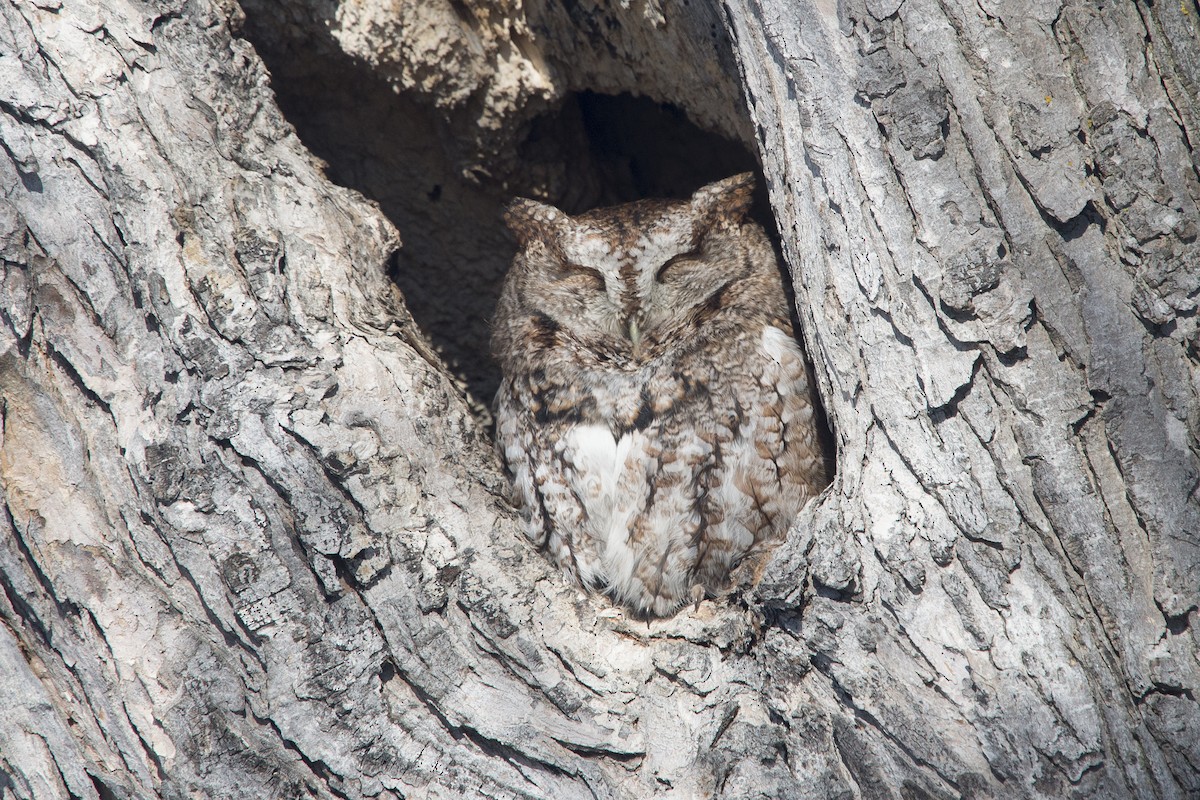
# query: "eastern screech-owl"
654,413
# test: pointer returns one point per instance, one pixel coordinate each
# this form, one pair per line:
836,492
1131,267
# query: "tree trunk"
255,542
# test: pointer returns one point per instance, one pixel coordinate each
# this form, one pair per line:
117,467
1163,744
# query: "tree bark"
1014,522
255,544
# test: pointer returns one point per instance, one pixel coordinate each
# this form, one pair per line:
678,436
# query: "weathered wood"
982,206
255,545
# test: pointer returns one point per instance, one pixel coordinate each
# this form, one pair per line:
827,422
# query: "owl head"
628,278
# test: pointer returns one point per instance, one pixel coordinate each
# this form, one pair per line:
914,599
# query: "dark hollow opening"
636,148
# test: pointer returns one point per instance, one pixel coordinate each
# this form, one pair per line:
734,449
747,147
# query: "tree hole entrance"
591,150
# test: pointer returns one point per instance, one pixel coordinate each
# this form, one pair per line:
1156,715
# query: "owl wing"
792,435
548,487
725,473
773,464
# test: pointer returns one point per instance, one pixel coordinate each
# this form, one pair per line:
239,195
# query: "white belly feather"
602,468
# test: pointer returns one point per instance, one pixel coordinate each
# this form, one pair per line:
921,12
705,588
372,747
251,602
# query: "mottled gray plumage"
654,414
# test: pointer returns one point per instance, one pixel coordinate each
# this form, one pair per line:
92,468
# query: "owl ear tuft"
531,221
729,198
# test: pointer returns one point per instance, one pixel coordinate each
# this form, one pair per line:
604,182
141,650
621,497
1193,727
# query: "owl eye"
570,270
677,264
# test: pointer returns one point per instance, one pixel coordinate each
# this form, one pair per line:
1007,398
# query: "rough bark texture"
1011,545
254,542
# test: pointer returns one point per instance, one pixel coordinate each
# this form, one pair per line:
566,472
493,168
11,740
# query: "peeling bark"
255,543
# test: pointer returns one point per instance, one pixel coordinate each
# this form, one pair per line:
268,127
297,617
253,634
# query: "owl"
654,413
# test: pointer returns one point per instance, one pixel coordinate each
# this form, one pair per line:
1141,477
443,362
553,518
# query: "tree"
255,540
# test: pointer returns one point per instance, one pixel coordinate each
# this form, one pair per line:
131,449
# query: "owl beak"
635,336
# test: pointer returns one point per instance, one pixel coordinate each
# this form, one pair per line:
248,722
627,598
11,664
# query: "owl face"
633,275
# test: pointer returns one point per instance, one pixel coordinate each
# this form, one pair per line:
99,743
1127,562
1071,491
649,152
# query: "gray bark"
255,542
1015,517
